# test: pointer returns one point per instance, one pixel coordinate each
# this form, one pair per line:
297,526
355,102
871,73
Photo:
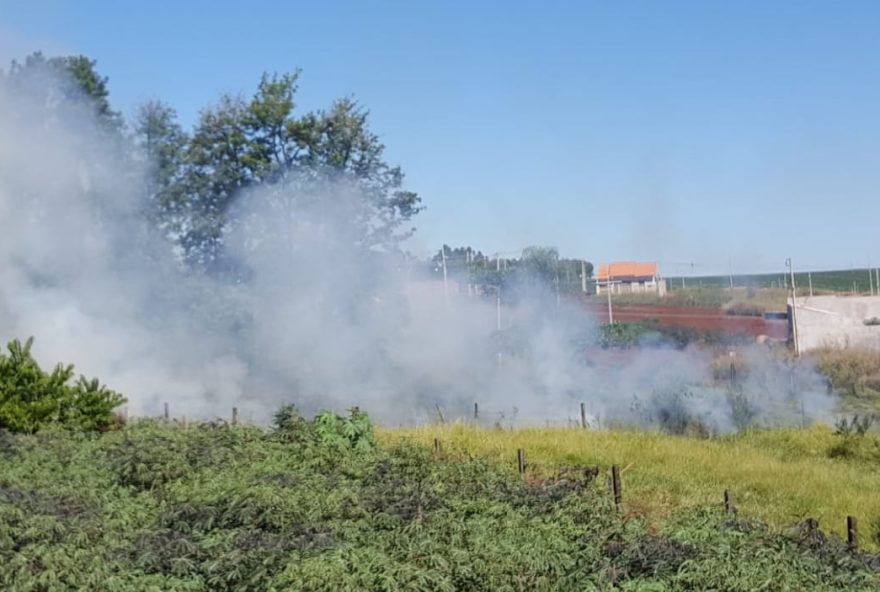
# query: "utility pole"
445,283
557,291
794,330
467,262
730,272
608,289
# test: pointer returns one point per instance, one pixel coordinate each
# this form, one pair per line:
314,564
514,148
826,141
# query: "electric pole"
794,329
445,282
608,289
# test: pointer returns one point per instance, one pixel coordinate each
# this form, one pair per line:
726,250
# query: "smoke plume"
317,320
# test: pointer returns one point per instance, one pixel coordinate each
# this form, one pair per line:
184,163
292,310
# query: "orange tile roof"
627,269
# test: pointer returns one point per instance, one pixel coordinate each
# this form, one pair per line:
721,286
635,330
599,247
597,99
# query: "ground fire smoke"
318,321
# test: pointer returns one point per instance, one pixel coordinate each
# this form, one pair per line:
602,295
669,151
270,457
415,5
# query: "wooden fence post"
583,415
728,502
167,414
235,416
438,446
615,486
852,533
521,460
476,412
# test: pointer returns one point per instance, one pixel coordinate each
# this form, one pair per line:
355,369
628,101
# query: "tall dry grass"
854,373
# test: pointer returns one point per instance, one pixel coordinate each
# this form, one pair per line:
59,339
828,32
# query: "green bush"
240,509
31,398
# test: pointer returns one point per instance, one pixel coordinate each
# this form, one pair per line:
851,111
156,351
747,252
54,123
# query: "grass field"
780,476
842,280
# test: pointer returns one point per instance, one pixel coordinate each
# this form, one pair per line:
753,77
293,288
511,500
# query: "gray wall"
837,321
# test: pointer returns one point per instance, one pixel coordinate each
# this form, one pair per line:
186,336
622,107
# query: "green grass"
780,476
840,280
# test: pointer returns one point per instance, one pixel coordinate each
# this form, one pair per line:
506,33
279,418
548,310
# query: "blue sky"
723,134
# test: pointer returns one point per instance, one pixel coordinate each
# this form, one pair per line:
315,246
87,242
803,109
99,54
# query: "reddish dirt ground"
703,319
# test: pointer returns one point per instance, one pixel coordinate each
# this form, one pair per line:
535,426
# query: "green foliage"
649,333
31,398
853,440
156,507
263,142
854,373
624,335
537,266
854,426
743,411
708,297
73,79
841,280
355,431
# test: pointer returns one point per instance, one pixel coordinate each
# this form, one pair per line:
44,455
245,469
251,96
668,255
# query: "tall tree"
162,143
342,146
542,263
317,156
217,160
66,81
278,139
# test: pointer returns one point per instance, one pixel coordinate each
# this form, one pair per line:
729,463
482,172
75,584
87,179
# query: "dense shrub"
31,398
307,507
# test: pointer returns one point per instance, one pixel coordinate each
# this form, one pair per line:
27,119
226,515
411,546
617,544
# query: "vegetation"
736,301
239,144
537,267
854,373
649,333
781,476
31,398
314,505
841,280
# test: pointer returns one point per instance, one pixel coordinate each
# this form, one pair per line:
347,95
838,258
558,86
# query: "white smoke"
319,321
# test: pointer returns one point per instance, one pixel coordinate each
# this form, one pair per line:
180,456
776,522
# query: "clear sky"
723,134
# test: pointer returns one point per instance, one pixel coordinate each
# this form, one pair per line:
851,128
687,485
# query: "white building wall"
836,321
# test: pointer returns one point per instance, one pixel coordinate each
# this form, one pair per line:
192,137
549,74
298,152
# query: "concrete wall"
837,321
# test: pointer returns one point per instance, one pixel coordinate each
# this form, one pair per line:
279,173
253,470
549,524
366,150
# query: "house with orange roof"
630,277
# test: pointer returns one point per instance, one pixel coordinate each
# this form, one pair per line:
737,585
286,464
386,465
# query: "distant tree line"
537,266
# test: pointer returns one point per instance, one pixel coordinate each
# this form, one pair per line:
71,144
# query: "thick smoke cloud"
315,319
